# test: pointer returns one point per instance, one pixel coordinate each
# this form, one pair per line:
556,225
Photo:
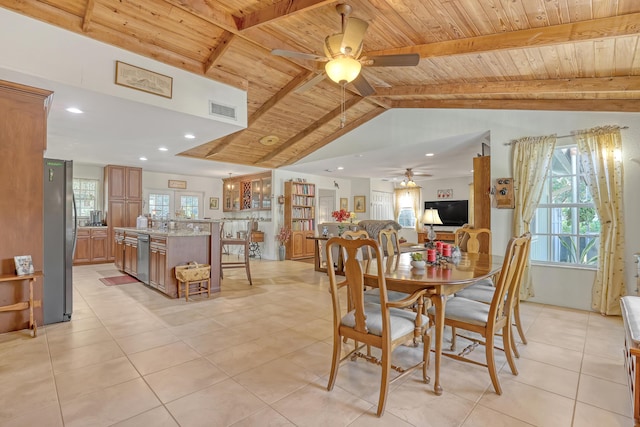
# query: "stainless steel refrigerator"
60,226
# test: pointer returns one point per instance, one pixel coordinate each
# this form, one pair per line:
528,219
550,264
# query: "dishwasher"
143,258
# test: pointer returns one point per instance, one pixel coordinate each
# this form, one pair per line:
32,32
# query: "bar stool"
243,240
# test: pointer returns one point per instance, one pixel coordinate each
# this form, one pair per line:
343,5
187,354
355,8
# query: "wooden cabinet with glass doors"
247,193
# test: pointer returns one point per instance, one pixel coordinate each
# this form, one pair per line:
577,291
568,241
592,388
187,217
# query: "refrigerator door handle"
75,225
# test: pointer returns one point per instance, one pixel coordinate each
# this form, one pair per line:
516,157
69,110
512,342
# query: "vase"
340,230
418,265
281,252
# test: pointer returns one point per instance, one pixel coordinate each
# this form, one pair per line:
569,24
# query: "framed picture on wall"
359,204
213,203
344,203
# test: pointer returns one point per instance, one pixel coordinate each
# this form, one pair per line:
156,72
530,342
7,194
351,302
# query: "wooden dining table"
439,281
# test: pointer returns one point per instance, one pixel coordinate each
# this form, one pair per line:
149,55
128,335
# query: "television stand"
444,236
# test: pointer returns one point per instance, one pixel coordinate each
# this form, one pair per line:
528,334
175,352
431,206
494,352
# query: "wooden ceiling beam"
210,11
276,11
616,26
88,12
618,105
577,85
269,104
218,51
310,129
348,128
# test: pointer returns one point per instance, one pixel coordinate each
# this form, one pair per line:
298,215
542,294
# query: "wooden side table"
23,305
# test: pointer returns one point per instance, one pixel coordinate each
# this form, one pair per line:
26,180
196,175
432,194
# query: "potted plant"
283,237
417,260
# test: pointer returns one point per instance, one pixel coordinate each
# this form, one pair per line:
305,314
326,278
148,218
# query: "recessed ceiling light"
163,149
143,158
471,171
269,140
340,168
189,136
75,110
429,154
359,155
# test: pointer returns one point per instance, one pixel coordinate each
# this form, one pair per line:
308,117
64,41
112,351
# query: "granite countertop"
167,233
99,227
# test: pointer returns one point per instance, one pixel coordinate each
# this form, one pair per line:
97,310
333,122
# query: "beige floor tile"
604,394
87,355
266,417
313,405
221,404
76,382
163,357
530,404
48,415
146,340
72,326
604,368
611,345
369,419
177,381
481,417
552,355
546,377
63,343
157,417
19,397
275,380
315,358
241,358
215,341
589,416
109,405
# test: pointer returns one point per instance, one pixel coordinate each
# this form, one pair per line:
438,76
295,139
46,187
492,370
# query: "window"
566,228
159,205
189,206
86,194
407,216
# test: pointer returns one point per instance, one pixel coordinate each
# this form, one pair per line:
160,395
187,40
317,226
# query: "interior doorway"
326,205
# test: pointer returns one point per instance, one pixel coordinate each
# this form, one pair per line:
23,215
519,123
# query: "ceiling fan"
343,61
409,174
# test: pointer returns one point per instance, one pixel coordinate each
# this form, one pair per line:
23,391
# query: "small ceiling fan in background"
343,61
409,175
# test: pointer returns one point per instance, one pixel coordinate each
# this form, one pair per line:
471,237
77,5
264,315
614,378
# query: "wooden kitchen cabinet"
301,246
119,250
247,193
123,192
158,263
91,245
131,254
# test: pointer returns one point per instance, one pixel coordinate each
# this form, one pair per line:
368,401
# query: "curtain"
415,195
601,152
531,163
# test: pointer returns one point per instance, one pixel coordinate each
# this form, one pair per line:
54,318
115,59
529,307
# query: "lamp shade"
431,217
343,69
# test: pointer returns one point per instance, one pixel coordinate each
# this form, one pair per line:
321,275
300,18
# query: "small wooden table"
23,305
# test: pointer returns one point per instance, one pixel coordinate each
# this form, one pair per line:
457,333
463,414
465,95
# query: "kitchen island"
168,248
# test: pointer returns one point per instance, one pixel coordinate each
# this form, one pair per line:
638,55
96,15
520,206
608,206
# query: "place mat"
118,280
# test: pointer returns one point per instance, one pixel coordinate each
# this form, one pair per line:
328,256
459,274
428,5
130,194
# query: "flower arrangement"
284,235
417,256
352,216
341,215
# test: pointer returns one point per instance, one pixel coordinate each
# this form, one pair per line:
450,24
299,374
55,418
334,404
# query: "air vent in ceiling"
216,109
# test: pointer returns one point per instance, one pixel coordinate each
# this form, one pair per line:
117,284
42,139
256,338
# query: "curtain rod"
561,136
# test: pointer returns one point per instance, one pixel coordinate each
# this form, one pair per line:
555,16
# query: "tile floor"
260,356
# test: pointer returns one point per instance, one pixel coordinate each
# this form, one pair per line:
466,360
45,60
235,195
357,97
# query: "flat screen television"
452,212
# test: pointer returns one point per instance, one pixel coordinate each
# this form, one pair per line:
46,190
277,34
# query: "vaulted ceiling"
579,55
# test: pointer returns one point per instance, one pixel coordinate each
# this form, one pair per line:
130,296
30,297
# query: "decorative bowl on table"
419,264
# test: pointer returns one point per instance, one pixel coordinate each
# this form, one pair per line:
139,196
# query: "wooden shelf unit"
24,305
300,216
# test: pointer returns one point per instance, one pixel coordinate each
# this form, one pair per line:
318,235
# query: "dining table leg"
439,302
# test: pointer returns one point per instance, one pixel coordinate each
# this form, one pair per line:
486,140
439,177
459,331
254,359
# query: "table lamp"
431,217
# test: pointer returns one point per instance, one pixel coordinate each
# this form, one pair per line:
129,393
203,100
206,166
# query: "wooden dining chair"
390,246
383,325
484,292
473,240
488,320
243,240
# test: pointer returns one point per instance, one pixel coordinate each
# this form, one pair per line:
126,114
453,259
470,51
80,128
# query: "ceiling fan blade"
352,36
299,55
402,60
363,86
310,83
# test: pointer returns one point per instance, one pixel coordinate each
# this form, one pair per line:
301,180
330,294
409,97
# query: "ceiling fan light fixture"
343,69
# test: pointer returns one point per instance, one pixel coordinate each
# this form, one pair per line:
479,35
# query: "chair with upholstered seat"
243,240
488,320
383,325
389,245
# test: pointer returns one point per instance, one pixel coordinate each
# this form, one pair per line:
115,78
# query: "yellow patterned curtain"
415,193
601,150
531,164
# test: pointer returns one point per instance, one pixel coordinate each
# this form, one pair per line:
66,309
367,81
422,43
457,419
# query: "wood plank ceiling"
579,55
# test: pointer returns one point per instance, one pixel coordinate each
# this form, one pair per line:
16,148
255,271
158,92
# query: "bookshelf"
300,216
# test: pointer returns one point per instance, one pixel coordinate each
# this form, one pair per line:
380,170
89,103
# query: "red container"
431,255
446,250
